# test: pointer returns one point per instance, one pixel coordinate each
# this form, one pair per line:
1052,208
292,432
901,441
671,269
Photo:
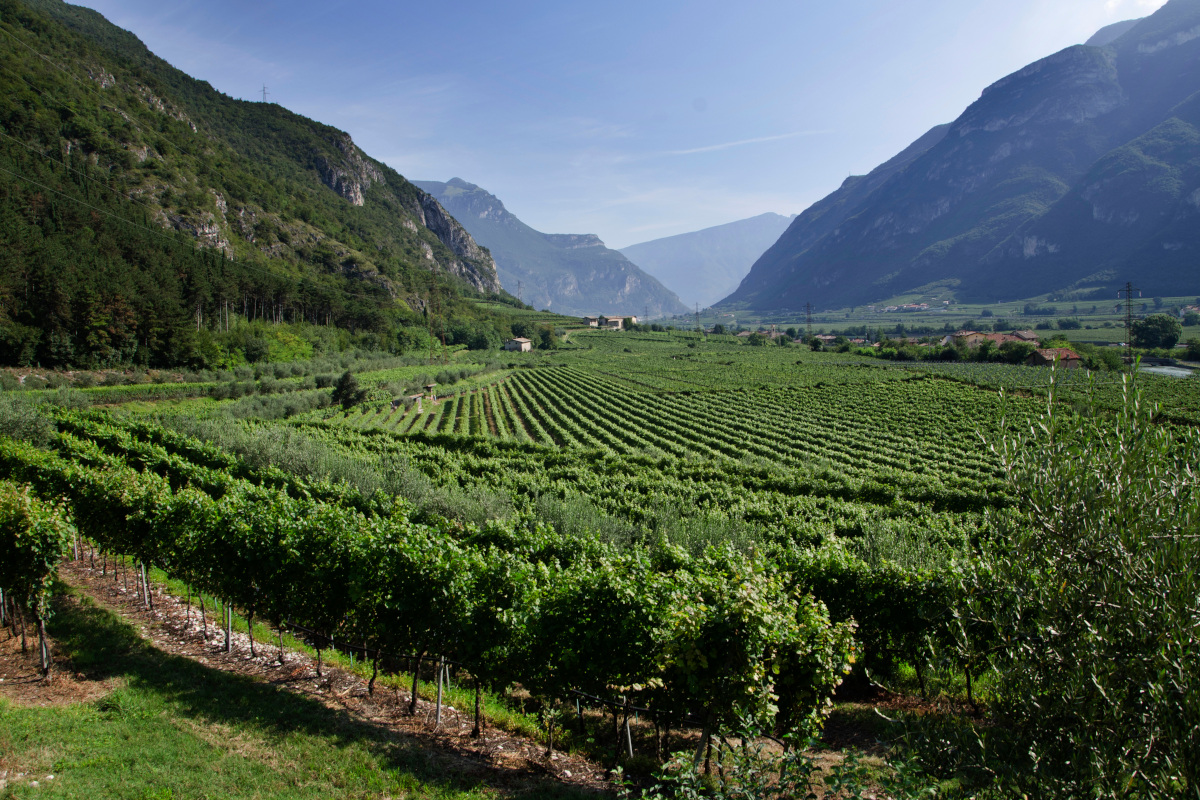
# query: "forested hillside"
145,213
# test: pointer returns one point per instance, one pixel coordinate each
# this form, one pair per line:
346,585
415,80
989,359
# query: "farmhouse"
610,322
974,339
519,345
968,338
1067,359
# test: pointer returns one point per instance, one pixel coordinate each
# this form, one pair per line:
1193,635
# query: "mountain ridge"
288,219
705,265
569,273
963,215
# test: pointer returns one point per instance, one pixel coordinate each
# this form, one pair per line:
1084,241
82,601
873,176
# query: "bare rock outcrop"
482,272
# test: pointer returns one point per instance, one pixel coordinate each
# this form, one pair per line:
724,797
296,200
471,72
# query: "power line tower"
1128,292
520,287
808,317
698,318
265,93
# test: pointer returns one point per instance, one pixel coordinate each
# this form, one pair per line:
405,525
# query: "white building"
519,345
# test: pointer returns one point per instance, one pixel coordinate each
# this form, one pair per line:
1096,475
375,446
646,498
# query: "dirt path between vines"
497,757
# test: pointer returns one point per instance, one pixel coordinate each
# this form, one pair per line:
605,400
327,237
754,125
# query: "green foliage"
20,418
748,766
1156,330
720,629
1088,596
546,338
34,536
164,732
346,391
111,148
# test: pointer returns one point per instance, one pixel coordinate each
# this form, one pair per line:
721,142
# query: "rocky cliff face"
573,241
350,174
970,207
474,264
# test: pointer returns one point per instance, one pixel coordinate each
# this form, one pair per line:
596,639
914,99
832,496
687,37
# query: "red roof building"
1067,359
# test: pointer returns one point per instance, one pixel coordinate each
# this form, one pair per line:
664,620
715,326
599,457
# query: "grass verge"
175,728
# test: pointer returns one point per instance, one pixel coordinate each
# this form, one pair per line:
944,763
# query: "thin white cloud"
712,148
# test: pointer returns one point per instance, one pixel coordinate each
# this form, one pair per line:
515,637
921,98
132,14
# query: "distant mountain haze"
706,265
1068,177
564,272
1110,33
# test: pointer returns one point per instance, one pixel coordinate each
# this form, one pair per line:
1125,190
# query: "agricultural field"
578,522
958,315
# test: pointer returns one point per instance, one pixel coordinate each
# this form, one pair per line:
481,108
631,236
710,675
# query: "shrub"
347,392
21,419
1156,330
1088,594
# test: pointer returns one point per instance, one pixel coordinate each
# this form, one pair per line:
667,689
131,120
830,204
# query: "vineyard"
910,427
581,522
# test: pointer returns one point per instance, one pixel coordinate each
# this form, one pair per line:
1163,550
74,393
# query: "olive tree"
1089,592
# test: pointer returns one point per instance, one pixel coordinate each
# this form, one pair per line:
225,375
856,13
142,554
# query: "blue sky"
631,120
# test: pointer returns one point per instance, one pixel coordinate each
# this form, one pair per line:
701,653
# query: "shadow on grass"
102,645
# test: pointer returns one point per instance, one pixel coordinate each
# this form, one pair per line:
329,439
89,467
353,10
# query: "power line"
45,58
84,175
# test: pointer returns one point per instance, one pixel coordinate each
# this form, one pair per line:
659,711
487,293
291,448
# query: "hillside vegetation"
145,212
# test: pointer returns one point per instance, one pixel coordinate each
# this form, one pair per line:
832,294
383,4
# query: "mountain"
569,273
703,266
1110,33
143,210
1068,177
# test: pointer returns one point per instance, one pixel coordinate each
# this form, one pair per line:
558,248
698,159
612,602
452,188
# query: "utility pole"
264,93
1128,292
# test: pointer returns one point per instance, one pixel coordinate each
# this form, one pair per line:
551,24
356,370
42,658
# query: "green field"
955,316
589,518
